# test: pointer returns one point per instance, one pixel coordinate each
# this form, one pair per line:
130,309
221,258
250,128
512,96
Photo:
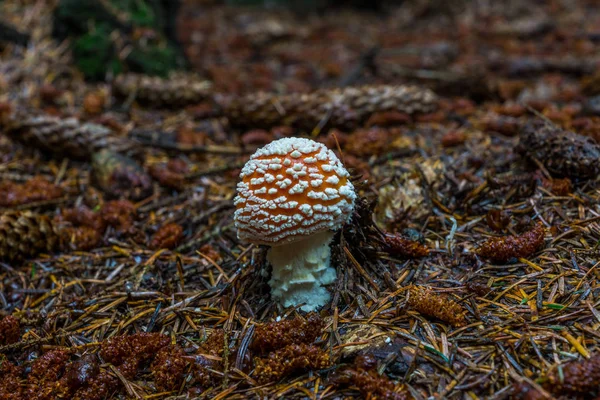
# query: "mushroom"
293,195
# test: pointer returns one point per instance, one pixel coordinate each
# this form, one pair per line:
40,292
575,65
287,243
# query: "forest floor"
469,269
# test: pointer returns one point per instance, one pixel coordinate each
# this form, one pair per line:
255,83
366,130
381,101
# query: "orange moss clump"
276,335
453,138
388,118
9,330
480,289
506,248
43,380
167,237
99,387
428,302
505,125
127,352
52,376
560,187
363,374
290,359
366,142
10,385
399,246
168,368
119,214
83,216
94,102
81,238
578,377
171,174
81,228
214,344
35,189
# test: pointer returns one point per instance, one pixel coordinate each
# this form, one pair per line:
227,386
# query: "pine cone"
563,153
179,90
64,136
26,234
342,108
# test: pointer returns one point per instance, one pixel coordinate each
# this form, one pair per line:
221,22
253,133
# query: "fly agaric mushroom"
293,195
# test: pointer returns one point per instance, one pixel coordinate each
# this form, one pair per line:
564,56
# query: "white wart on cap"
291,189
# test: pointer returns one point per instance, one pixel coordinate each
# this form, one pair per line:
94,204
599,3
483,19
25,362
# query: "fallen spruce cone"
64,136
26,234
433,304
503,249
179,90
562,152
576,377
341,108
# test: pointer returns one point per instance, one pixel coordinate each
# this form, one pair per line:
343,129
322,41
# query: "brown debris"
406,248
82,216
560,187
480,289
10,330
453,138
427,302
167,237
367,142
503,249
276,335
171,174
81,238
497,220
256,137
120,215
94,102
505,125
34,190
363,375
388,118
291,359
80,228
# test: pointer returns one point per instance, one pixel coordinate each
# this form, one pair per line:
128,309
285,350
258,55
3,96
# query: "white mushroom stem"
300,269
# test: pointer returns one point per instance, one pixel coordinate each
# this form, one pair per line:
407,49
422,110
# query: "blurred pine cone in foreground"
26,234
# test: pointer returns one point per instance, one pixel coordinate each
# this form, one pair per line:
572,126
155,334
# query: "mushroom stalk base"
300,269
